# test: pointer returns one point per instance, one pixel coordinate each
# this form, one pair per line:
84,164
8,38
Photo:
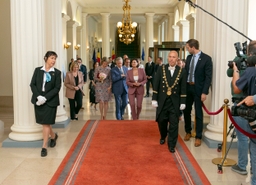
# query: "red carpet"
126,152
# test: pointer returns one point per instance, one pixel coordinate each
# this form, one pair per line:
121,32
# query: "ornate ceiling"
138,8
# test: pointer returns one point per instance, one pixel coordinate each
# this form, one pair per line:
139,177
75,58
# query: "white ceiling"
152,3
138,9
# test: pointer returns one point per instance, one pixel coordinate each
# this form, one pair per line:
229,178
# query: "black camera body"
248,113
241,57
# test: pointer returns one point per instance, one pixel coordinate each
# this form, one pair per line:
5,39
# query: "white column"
149,33
28,49
66,60
192,19
222,39
71,37
159,34
105,35
166,30
170,31
54,42
251,21
176,33
85,42
79,40
162,31
184,30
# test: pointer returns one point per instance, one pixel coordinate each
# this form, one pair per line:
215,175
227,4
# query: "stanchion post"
226,162
193,134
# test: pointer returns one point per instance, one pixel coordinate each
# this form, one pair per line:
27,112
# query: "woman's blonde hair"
72,65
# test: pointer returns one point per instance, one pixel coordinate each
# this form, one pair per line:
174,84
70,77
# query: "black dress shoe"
43,152
172,150
122,118
53,141
162,141
146,96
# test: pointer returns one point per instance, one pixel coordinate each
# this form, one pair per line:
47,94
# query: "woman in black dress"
92,85
45,86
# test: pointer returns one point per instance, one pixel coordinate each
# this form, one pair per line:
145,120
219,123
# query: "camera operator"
242,140
246,84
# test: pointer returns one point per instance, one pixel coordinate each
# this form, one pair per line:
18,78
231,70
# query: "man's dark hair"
160,58
127,59
150,56
252,48
193,43
79,59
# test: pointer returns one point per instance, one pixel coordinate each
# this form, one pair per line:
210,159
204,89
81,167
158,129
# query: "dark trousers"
121,102
168,114
148,85
75,104
190,99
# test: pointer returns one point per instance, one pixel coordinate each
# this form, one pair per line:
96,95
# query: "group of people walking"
174,88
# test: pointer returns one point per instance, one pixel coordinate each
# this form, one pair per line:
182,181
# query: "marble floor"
23,166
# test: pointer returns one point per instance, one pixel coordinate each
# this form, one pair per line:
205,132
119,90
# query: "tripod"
233,136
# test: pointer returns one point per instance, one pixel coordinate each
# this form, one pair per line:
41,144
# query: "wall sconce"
88,48
66,46
77,46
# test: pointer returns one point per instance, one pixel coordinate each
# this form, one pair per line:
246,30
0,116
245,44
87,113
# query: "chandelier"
126,29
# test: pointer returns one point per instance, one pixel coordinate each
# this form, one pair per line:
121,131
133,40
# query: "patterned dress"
101,89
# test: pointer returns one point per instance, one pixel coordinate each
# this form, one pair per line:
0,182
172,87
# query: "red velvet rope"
239,128
212,113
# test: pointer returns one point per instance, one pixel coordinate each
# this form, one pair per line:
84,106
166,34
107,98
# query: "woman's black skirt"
45,115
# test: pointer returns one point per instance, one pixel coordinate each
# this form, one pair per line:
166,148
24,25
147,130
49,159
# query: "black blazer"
178,95
150,69
203,73
52,88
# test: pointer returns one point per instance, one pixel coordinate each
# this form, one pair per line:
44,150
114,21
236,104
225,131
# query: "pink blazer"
130,80
70,83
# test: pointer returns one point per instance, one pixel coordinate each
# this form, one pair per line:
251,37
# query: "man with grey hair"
119,87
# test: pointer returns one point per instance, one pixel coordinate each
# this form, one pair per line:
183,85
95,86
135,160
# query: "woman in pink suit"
74,82
136,78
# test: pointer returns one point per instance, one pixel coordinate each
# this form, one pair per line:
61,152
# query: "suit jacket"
178,95
118,82
83,69
130,80
52,87
70,83
203,73
150,69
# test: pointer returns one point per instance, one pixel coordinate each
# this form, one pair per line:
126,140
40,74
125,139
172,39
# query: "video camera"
241,56
248,113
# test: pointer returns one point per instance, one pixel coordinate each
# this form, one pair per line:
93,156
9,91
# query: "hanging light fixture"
126,29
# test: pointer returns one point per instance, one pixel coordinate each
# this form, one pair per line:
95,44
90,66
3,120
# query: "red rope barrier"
238,127
212,113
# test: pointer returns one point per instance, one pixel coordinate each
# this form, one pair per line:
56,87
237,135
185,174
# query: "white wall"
5,50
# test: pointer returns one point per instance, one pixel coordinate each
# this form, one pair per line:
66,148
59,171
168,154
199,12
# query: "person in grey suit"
199,72
119,87
45,86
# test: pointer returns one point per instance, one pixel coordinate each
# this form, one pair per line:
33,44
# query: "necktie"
191,70
121,70
48,77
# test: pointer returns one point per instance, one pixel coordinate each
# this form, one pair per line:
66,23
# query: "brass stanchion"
227,161
193,134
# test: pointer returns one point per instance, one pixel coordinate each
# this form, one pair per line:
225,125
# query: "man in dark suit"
119,87
169,96
199,72
150,72
82,68
159,63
